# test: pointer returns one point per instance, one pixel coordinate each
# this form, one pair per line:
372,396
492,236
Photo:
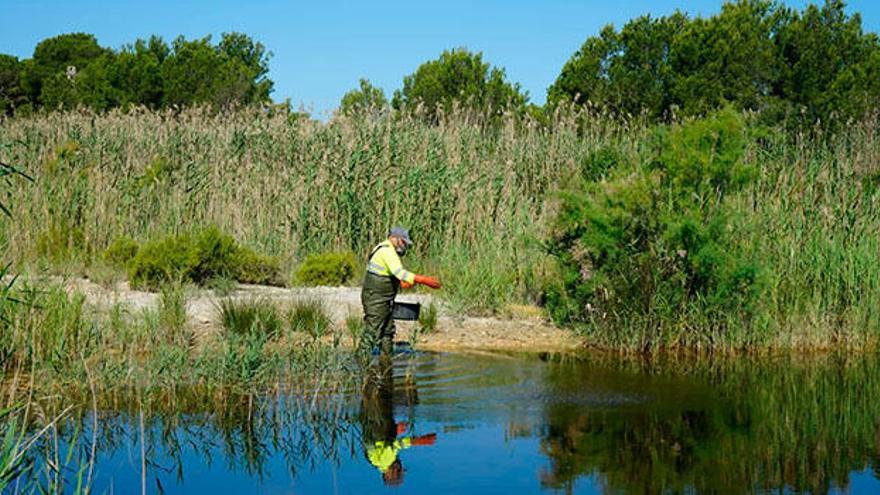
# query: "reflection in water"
382,436
507,423
802,425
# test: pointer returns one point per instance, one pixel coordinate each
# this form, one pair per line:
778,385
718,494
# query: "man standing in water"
385,275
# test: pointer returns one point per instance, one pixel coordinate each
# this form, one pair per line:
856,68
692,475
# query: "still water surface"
447,423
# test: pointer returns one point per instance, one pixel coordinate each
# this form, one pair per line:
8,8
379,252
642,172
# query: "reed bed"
473,200
477,199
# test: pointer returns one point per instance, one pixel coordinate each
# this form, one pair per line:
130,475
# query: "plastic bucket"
406,311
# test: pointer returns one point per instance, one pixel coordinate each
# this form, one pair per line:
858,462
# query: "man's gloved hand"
405,285
425,439
401,427
431,282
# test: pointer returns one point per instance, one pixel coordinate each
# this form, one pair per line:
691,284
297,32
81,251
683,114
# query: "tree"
365,98
234,72
458,76
11,95
754,54
55,64
137,72
830,65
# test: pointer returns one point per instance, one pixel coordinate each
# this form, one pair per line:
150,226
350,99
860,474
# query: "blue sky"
322,48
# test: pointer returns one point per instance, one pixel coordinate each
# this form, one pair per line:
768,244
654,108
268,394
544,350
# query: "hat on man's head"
400,232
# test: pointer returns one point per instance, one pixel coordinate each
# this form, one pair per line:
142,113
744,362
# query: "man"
385,275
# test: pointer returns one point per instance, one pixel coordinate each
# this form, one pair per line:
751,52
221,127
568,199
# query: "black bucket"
406,311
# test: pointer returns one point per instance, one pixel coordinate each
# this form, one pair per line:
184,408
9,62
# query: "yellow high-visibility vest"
382,455
385,262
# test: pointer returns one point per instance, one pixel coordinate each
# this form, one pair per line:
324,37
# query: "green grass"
242,317
428,318
310,317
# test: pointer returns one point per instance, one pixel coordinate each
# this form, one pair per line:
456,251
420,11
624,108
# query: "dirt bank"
453,333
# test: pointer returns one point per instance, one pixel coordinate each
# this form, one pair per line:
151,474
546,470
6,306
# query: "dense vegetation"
733,227
799,66
72,69
718,232
756,54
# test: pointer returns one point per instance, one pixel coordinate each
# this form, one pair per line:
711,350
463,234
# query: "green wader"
377,297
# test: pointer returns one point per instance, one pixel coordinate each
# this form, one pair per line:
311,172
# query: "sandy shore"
453,333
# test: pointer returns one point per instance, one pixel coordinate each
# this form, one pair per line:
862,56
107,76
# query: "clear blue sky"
322,48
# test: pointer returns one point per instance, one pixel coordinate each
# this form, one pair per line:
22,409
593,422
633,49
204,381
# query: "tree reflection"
803,425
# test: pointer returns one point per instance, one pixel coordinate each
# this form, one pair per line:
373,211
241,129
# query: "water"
507,424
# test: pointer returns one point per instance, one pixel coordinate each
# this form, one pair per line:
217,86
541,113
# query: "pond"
488,423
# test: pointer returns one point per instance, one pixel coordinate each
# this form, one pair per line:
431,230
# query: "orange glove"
425,439
431,282
405,285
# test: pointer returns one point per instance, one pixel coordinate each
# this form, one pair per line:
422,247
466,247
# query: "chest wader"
377,297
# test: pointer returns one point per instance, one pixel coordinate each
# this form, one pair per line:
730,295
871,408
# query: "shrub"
329,269
121,251
171,259
647,258
216,255
599,163
255,268
198,257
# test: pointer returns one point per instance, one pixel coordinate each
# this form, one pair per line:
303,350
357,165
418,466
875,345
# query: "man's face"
399,244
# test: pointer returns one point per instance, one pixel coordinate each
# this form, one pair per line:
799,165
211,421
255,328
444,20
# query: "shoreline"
453,333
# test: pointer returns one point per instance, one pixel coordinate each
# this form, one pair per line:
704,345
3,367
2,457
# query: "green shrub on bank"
256,268
121,251
647,258
328,269
198,257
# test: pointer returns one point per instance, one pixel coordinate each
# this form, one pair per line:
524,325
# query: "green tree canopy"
11,94
462,76
365,98
72,69
755,54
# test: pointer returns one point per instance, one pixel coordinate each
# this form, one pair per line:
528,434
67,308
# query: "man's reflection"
384,438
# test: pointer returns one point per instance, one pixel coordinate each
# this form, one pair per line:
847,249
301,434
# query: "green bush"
121,251
256,268
198,257
328,269
647,257
171,259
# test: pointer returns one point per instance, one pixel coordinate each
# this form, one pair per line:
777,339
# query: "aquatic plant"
241,317
309,316
428,318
